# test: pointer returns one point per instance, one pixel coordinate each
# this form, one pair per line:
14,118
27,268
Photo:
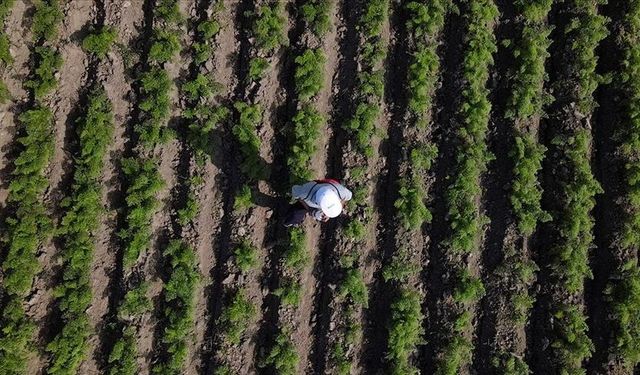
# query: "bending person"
323,199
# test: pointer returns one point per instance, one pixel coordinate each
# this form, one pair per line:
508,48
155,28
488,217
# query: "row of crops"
266,306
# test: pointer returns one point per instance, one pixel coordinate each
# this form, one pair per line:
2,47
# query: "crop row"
623,292
361,127
28,224
266,22
576,185
201,117
83,209
143,182
303,134
524,106
424,25
472,156
5,53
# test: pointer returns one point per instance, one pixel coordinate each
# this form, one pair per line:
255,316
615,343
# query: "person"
323,199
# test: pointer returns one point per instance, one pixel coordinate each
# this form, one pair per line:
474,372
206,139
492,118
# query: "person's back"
323,198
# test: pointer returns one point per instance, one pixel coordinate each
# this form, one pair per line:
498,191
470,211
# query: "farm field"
148,149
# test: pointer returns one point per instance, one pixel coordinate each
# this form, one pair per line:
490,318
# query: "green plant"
236,316
135,302
179,293
169,11
244,199
355,230
257,67
83,209
268,26
246,256
468,288
209,28
309,74
5,53
354,287
46,18
164,47
189,211
510,364
245,131
401,267
43,79
306,129
405,331
571,344
5,95
289,292
99,41
155,106
295,255
282,356
410,204
144,182
316,15
122,359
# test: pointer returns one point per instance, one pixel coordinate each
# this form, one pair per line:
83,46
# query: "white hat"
329,201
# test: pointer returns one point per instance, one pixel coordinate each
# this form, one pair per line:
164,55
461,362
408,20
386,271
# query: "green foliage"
624,296
510,364
245,131
236,316
257,67
283,356
43,79
5,53
155,107
244,199
189,211
305,132
624,289
122,359
46,18
309,73
454,356
5,10
526,191
209,29
268,26
81,220
401,267
342,364
203,119
5,95
296,254
169,11
16,337
246,256
468,288
422,156
423,76
573,219
179,293
143,184
289,292
200,87
164,47
354,287
410,204
355,230
405,331
99,42
316,15
30,224
135,302
362,126
571,345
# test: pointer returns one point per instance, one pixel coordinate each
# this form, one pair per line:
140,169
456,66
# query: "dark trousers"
296,214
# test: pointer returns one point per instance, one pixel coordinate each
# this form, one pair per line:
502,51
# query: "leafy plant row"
472,156
623,292
425,22
303,135
143,182
83,209
5,53
361,128
576,185
524,106
28,224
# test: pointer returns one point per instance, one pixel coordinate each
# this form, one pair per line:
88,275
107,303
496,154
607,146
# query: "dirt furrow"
116,75
447,100
500,233
65,105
